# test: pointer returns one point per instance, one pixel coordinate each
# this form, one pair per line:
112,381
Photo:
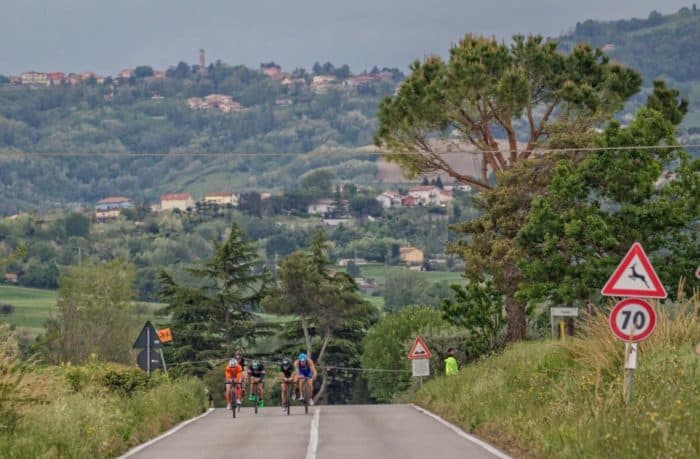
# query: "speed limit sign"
632,320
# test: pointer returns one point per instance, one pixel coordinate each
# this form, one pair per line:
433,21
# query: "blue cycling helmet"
302,357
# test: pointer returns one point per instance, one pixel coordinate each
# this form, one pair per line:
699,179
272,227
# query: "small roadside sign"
630,356
165,335
632,320
419,350
420,367
149,361
563,312
635,277
148,338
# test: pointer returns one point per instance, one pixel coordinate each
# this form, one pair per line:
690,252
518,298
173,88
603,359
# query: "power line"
271,364
10,153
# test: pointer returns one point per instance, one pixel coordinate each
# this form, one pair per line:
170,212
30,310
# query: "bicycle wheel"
233,402
306,396
255,396
288,402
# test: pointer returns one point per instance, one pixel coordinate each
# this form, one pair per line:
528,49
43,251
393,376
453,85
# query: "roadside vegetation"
564,399
96,410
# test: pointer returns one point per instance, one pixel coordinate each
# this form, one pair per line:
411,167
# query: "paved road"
333,432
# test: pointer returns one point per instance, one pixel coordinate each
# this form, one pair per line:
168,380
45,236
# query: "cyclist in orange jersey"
234,374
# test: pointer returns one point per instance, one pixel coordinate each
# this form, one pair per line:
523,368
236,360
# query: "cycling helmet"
302,357
233,362
286,363
238,354
255,365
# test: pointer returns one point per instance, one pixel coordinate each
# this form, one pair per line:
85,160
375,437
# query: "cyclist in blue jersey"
306,373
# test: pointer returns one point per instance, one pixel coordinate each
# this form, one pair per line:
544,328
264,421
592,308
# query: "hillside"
266,126
660,46
188,109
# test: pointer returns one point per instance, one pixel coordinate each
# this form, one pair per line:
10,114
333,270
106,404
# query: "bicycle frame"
235,389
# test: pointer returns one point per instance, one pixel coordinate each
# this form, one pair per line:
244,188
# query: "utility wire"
272,364
10,153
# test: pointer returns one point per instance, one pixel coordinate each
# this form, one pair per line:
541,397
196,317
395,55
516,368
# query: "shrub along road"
387,431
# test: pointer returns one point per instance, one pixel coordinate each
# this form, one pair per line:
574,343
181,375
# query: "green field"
379,273
32,307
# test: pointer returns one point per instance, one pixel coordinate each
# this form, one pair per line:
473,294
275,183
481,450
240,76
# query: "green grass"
552,400
33,307
380,272
96,410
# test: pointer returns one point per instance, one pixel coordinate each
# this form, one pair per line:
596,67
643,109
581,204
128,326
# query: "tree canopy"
486,89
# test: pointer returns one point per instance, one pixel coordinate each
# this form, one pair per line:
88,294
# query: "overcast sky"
107,36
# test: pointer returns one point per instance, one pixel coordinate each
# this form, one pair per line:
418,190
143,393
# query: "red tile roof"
422,188
176,197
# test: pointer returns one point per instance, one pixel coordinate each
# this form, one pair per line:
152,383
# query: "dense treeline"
659,46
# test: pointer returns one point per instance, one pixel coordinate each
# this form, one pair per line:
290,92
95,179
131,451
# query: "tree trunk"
516,326
307,336
324,371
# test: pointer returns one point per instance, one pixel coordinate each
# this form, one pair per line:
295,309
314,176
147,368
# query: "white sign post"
420,360
420,367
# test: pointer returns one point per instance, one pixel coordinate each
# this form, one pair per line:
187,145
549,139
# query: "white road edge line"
313,435
463,434
143,446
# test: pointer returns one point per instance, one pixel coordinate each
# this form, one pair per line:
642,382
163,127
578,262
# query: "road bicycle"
307,392
289,389
254,392
236,388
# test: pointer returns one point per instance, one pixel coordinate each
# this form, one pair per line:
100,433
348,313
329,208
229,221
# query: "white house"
424,195
220,198
389,199
320,207
428,195
180,201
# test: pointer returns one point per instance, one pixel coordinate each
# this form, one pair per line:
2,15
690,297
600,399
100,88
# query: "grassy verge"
96,411
547,399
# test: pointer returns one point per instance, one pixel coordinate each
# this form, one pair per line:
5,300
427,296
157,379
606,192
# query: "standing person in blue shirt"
306,373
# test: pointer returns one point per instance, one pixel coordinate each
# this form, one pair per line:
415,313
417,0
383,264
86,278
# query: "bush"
386,345
6,309
547,399
109,409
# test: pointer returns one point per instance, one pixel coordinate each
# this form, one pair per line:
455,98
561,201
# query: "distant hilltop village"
323,79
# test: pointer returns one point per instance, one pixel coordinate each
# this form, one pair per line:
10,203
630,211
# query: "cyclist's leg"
238,391
227,393
284,393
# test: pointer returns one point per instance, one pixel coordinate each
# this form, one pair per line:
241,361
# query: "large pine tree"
210,318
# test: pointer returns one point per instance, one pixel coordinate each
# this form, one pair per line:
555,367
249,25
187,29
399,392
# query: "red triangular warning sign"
635,277
419,350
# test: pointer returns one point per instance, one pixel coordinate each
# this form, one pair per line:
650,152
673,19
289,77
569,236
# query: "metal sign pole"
148,351
162,359
630,364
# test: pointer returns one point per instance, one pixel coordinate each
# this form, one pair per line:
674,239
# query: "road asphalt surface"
327,432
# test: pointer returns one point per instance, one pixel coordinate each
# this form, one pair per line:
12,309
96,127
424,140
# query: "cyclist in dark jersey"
288,377
238,355
256,374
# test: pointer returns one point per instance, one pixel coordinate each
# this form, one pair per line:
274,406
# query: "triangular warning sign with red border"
635,277
419,350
